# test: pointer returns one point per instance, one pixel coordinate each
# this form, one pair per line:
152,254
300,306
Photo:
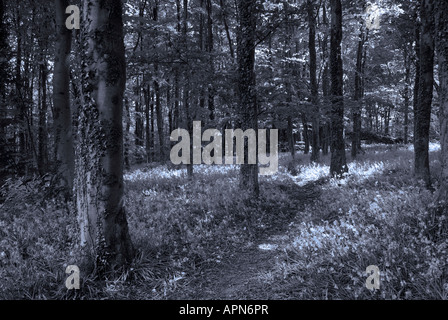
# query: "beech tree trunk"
423,110
441,27
99,159
356,138
338,163
42,157
62,116
406,96
326,130
313,82
246,87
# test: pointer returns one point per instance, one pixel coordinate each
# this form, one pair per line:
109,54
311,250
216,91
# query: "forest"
223,149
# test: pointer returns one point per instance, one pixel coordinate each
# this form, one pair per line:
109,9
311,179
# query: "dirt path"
238,276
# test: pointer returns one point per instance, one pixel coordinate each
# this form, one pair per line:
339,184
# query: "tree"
5,156
338,163
441,28
313,81
247,99
422,113
99,159
356,138
62,117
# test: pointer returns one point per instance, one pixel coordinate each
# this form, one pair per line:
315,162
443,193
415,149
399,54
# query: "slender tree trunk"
441,25
246,87
127,161
139,134
148,127
62,116
209,48
325,83
152,134
188,120
290,137
313,81
160,126
305,134
170,107
356,137
22,150
226,28
99,160
42,129
417,73
4,53
423,112
406,96
338,163
158,103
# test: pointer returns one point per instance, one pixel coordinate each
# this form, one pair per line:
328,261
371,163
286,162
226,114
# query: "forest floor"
307,236
238,275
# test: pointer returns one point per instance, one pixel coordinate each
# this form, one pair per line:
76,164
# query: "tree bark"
209,49
313,81
226,28
305,134
326,131
158,103
441,25
42,136
338,163
356,137
99,159
62,116
423,111
149,125
246,87
406,96
139,134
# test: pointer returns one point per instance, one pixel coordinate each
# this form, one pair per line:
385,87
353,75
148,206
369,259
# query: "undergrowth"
385,219
376,215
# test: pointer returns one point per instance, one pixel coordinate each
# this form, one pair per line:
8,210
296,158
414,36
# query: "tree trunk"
313,81
22,149
99,165
290,137
246,87
42,129
406,96
441,23
62,116
326,131
160,131
226,27
356,137
157,97
188,121
417,72
139,134
127,160
152,134
148,127
305,134
423,111
209,49
338,163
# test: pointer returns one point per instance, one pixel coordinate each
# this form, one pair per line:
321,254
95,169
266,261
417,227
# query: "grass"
318,234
